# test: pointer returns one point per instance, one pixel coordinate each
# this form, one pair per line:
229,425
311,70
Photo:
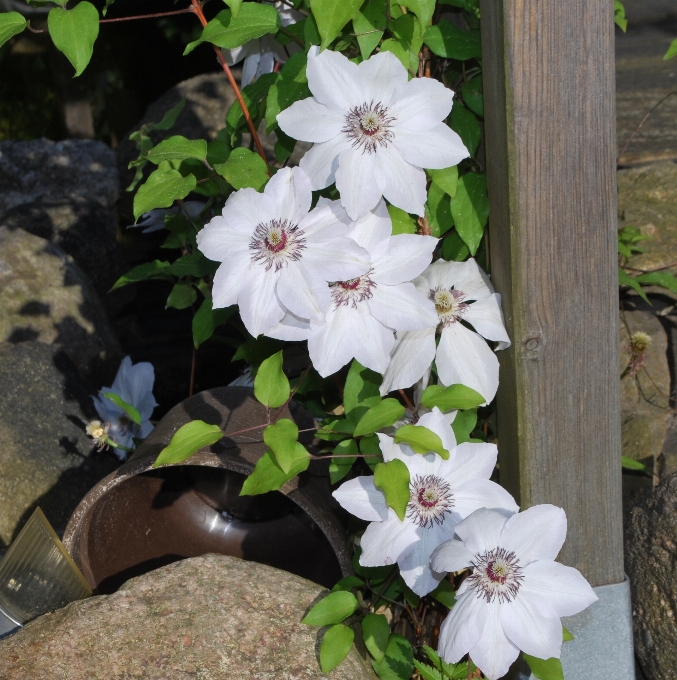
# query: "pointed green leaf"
376,631
445,593
384,414
621,21
672,50
234,6
74,32
178,148
207,319
340,467
332,609
188,439
423,9
398,662
446,179
545,669
438,211
624,279
132,412
334,430
161,189
332,16
566,635
630,464
370,448
448,41
470,209
271,386
403,222
662,279
170,116
244,168
451,398
421,440
465,125
182,296
361,391
368,26
393,479
463,424
428,672
280,437
268,476
290,87
454,249
11,24
336,643
472,95
348,582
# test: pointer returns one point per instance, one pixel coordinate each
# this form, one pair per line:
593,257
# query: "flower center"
369,126
497,575
448,303
276,244
430,499
352,291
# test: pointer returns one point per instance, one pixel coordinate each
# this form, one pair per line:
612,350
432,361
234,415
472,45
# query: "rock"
45,456
651,563
41,170
211,617
46,297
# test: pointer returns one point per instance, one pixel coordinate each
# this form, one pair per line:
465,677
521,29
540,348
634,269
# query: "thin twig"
349,455
407,401
652,269
186,10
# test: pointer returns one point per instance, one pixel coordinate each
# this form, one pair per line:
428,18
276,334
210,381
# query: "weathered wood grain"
551,146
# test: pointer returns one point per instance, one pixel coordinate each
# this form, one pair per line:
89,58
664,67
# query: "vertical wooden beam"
550,139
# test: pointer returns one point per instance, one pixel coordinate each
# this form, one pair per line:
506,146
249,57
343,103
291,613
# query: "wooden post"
551,147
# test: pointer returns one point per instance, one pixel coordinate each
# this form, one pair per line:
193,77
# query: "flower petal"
134,384
332,346
438,147
401,183
218,241
451,556
462,628
383,542
327,221
414,562
290,194
228,281
407,255
468,277
334,80
486,318
259,307
361,498
311,121
481,531
340,259
305,296
482,493
239,53
373,231
402,307
536,534
414,352
291,328
356,182
494,653
382,74
247,208
436,421
470,461
251,64
373,342
320,162
421,103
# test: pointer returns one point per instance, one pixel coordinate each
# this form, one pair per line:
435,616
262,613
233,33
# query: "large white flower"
134,385
460,291
276,255
261,54
516,593
373,130
442,493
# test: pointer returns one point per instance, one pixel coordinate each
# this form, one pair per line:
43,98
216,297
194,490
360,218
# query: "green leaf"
428,672
421,440
545,669
280,438
188,439
370,447
451,398
340,467
268,476
182,296
566,635
244,168
399,48
470,209
206,320
423,9
332,609
290,87
403,222
161,189
408,29
376,631
284,146
156,269
368,25
662,279
332,16
449,41
170,116
622,22
398,662
445,593
672,50
253,21
333,430
438,211
630,464
472,95
234,6
377,417
11,24
348,582
361,391
464,423
393,479
271,386
464,123
132,412
453,248
74,31
311,34
624,279
336,644
446,179
195,264
178,148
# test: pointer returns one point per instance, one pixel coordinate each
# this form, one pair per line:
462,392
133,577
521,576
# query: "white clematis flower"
134,385
516,594
261,54
460,291
373,130
277,256
443,492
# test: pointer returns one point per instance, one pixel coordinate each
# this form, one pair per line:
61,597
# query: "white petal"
373,341
563,587
311,121
291,328
246,208
305,296
356,182
536,534
463,357
136,386
361,498
436,422
332,347
481,531
373,229
389,449
470,461
414,562
218,240
251,63
320,162
532,625
382,73
334,80
462,628
145,429
434,276
259,308
468,277
401,183
106,409
414,352
406,257
383,542
486,318
421,103
402,307
494,653
290,193
228,281
340,259
451,556
238,53
328,220
436,148
482,493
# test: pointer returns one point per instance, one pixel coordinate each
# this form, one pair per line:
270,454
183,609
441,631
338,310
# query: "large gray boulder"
45,456
212,617
651,563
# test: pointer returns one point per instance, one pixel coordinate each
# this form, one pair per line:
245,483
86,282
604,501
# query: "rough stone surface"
651,564
46,297
211,617
45,455
41,170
